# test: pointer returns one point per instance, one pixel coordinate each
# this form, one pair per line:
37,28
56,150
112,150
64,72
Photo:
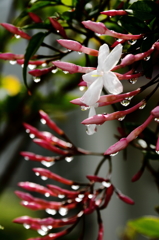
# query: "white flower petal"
113,58
90,77
92,128
92,94
103,53
112,83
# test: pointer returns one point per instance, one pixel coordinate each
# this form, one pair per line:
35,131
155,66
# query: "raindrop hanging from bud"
75,187
113,154
156,119
12,62
132,42
147,58
133,80
47,164
125,102
83,108
36,79
68,159
121,118
43,121
17,36
142,106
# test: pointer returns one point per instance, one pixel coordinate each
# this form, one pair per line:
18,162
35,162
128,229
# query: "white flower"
103,76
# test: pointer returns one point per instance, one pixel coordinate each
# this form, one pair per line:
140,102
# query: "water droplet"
31,135
47,164
63,211
31,66
121,118
156,119
133,80
27,131
65,72
152,146
26,158
142,143
36,79
98,34
22,65
106,184
142,106
47,194
43,121
90,196
54,70
75,187
41,232
113,154
78,199
43,64
12,62
157,152
61,196
80,214
68,159
147,58
79,52
125,102
44,178
82,88
25,203
144,38
50,227
25,225
50,211
132,42
17,36
81,196
44,228
37,174
129,98
58,31
83,108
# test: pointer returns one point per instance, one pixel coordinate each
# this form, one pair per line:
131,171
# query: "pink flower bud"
138,175
35,187
118,146
127,60
58,27
51,175
109,192
35,157
36,62
76,46
50,147
35,17
60,191
96,178
124,198
50,123
24,196
155,112
40,72
114,13
11,28
11,56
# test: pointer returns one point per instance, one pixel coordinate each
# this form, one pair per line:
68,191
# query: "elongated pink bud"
36,157
76,46
96,178
51,175
114,13
34,62
50,123
71,67
50,147
11,56
40,72
120,145
11,28
155,112
34,17
35,187
24,196
60,191
124,198
138,175
58,27
100,28
109,192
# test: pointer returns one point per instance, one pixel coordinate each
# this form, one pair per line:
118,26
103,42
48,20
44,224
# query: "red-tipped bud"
114,13
60,191
35,187
138,175
35,157
11,28
58,27
10,56
40,72
36,62
35,17
49,174
120,145
155,112
125,198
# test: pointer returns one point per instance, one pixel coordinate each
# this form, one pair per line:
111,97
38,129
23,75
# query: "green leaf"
32,47
144,10
39,5
147,226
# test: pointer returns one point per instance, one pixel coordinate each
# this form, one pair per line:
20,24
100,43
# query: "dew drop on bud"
156,119
63,211
37,79
79,52
54,70
75,187
132,42
47,194
133,80
31,135
58,31
77,199
43,64
61,196
44,178
106,184
82,88
37,174
83,108
50,211
125,102
147,58
31,66
12,62
17,36
26,158
113,154
157,152
43,121
142,106
47,164
25,225
27,131
90,196
65,72
121,118
142,143
41,232
144,38
68,159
